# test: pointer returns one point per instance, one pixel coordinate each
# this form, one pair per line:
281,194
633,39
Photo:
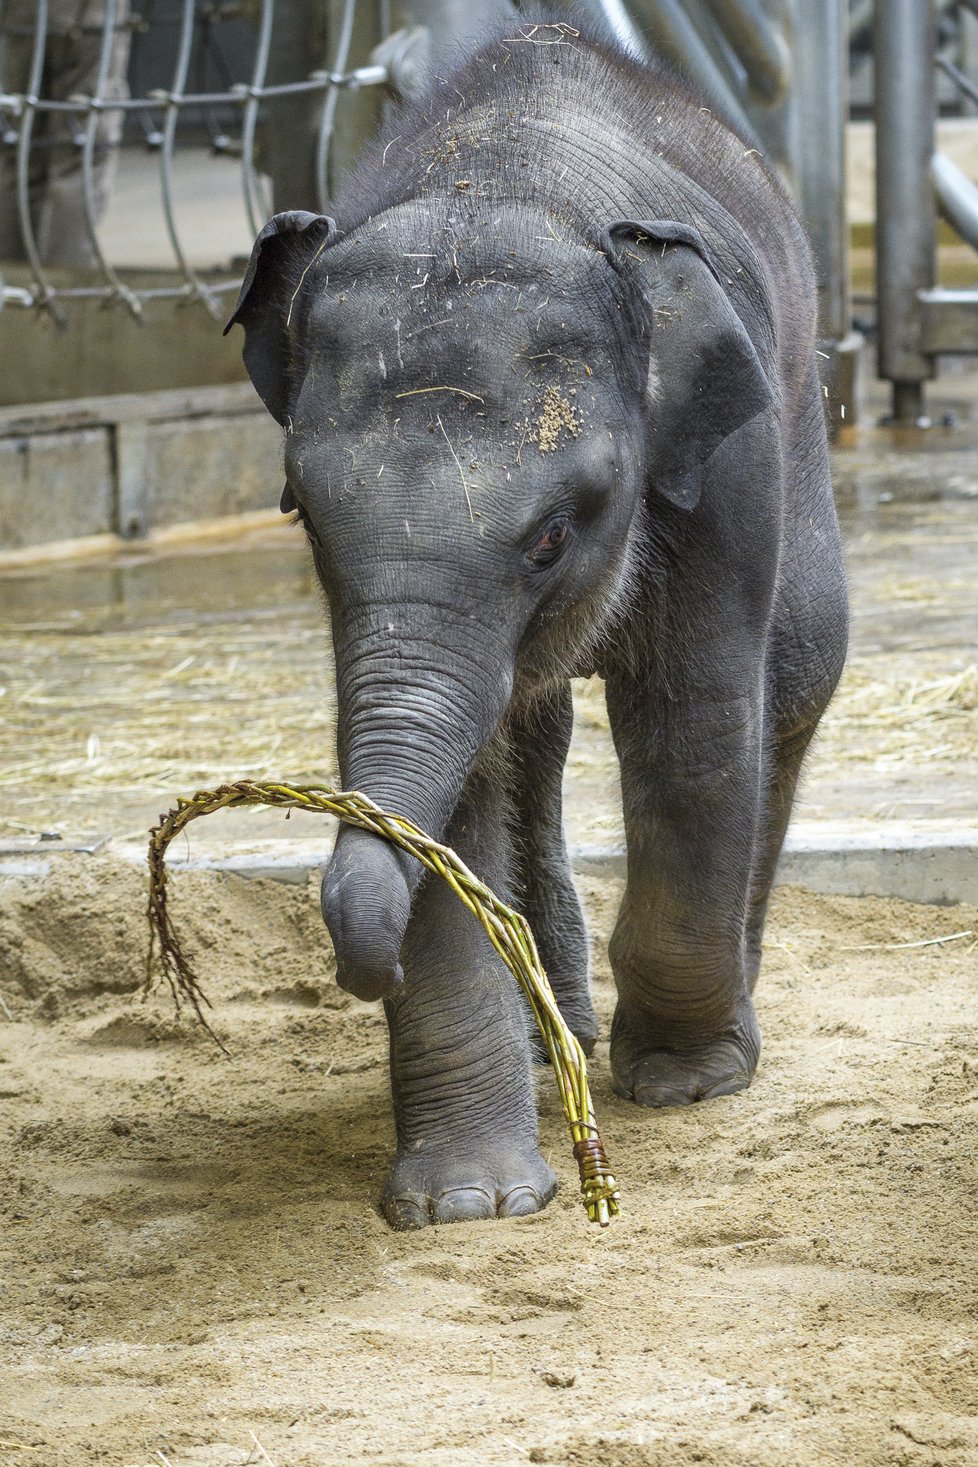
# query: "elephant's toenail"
464,1202
729,1086
656,1097
405,1214
520,1202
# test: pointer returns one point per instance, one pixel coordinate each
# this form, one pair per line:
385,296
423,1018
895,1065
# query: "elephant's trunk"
414,712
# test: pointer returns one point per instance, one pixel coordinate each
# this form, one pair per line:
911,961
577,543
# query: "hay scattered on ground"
905,714
143,712
102,720
140,710
893,708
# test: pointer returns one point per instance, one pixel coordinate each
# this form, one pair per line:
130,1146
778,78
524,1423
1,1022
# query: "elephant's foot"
654,1073
483,1181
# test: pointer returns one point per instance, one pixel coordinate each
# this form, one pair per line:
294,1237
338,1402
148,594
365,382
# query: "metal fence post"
359,111
819,105
906,225
819,110
287,130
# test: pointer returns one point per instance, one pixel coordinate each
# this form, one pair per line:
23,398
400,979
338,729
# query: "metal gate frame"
87,112
777,68
918,320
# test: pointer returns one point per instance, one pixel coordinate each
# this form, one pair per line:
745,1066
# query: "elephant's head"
471,414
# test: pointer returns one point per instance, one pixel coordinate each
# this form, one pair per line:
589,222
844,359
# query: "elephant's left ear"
706,378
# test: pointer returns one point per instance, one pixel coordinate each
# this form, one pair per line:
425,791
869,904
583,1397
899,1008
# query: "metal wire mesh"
90,120
65,104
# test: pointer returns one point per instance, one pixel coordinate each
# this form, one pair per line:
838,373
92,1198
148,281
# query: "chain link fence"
256,84
65,105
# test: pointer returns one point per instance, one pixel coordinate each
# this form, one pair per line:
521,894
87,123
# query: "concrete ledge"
173,344
224,528
129,464
934,863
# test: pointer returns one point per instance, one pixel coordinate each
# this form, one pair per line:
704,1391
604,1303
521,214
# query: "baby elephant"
550,408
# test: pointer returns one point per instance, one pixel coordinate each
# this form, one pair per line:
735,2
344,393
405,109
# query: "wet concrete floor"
132,679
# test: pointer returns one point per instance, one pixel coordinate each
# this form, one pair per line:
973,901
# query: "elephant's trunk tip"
366,901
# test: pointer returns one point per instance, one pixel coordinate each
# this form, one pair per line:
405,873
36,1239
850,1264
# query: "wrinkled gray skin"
550,407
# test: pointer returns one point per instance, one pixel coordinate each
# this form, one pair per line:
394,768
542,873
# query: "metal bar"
860,18
45,290
120,289
319,81
327,118
255,203
950,321
963,83
672,33
758,46
23,296
861,13
180,72
623,28
906,230
17,295
819,111
957,197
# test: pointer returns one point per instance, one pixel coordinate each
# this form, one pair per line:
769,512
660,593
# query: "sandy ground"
192,1269
194,1273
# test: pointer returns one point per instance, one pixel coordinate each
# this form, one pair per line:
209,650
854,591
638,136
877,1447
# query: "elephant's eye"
302,517
551,542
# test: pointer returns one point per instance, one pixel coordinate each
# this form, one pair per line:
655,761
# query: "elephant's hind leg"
693,775
785,767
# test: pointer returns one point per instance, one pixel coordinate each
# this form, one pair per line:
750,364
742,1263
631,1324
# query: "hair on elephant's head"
477,418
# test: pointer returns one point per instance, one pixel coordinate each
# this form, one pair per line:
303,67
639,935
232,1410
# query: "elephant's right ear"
280,258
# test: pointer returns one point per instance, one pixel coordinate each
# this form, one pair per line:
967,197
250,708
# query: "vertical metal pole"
358,112
45,290
758,45
818,147
669,31
256,204
91,138
327,118
287,125
185,47
906,226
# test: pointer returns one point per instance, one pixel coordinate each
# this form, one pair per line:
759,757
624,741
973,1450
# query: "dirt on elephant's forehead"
556,415
194,1273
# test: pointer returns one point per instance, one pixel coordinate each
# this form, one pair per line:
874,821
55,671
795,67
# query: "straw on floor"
508,931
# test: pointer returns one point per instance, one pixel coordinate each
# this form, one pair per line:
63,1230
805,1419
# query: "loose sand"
194,1273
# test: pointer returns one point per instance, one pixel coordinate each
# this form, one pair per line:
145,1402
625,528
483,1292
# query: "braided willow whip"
508,932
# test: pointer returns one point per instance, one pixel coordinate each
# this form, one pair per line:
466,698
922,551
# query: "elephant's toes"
656,1074
424,1190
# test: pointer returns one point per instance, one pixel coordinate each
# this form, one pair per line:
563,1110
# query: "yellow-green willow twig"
508,931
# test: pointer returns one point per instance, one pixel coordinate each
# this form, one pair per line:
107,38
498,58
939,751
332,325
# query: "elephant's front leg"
460,1062
692,782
